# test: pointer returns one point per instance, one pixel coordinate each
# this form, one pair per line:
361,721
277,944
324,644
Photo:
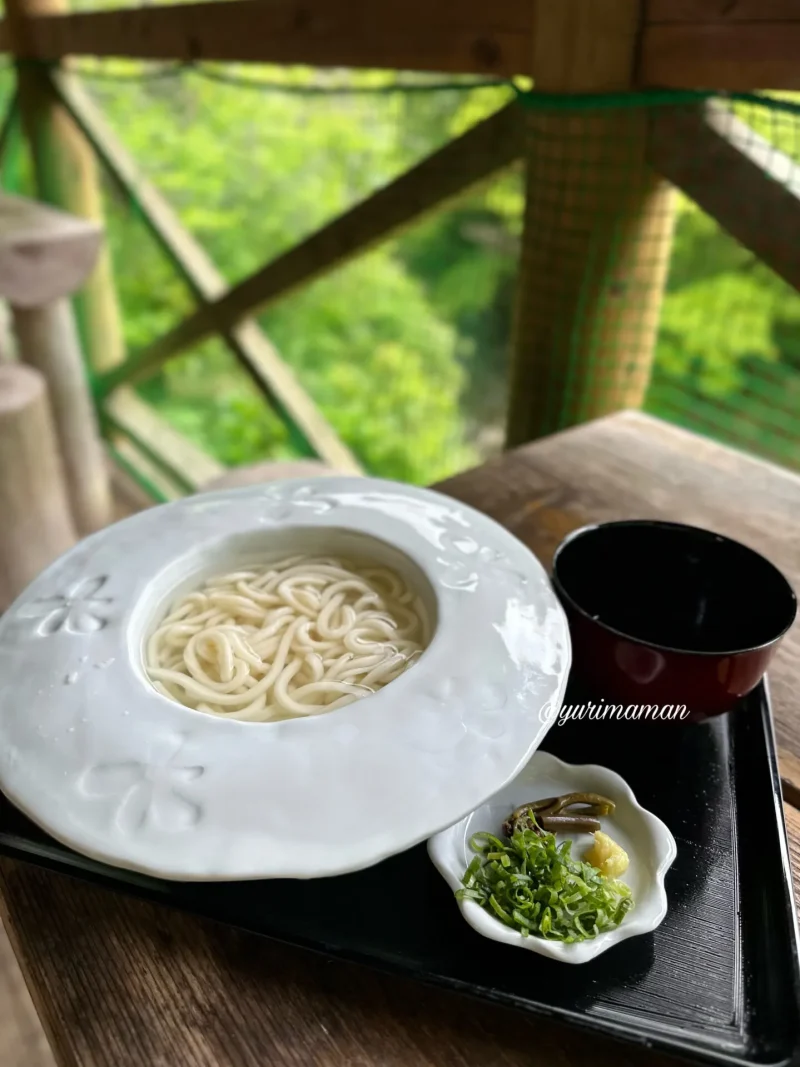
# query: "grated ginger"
609,857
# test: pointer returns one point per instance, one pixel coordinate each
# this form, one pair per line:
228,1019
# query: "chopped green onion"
533,884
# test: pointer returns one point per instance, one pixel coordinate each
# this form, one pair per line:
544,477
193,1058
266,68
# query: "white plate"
649,844
99,759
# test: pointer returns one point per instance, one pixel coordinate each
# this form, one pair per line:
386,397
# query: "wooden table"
123,983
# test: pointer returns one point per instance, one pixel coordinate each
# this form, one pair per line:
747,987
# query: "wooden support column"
48,340
45,255
598,229
36,525
7,344
67,177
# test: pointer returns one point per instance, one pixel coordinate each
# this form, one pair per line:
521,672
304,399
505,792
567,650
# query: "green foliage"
720,310
384,344
394,396
728,353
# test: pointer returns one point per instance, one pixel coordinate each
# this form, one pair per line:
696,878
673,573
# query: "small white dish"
93,754
648,842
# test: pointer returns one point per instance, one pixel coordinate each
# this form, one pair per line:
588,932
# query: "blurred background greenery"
405,349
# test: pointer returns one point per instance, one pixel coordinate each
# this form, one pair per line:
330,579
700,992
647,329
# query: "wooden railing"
569,46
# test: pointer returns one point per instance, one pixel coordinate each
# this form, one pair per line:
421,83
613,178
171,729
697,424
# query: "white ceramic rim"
187,796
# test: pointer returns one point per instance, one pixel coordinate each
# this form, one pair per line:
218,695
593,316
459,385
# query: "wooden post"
597,234
67,177
7,343
44,256
36,525
48,340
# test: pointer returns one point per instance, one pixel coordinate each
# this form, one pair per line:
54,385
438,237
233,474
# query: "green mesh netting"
606,236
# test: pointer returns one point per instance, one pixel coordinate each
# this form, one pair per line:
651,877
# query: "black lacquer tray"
718,981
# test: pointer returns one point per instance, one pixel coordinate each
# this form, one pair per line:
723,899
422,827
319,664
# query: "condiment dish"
648,842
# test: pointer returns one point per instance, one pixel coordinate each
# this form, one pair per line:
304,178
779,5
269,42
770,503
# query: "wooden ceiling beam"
736,56
752,44
465,36
716,44
720,12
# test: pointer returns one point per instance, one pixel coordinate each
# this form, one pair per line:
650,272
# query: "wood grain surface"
22,1039
793,830
460,36
721,55
122,983
721,11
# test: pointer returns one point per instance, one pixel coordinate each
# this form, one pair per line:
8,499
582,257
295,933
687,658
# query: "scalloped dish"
647,841
124,773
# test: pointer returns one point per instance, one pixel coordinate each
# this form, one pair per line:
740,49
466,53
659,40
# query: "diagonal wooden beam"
246,340
186,254
7,125
131,415
749,186
474,157
151,477
447,35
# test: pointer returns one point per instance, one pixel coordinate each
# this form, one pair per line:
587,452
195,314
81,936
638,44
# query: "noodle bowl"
301,636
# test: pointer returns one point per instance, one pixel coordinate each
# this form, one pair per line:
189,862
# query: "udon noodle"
302,636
